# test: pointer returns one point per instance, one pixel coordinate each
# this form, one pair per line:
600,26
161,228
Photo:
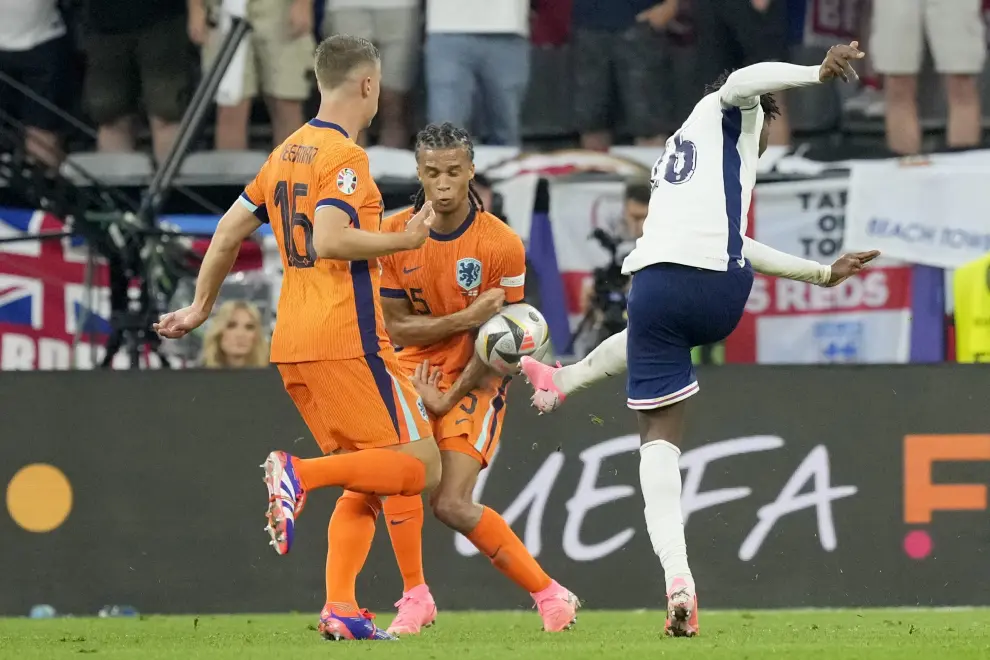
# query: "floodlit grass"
759,635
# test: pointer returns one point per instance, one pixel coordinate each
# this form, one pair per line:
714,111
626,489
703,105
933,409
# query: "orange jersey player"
330,342
433,299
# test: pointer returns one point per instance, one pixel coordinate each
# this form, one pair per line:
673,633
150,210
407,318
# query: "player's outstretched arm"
769,261
744,87
407,328
235,226
334,237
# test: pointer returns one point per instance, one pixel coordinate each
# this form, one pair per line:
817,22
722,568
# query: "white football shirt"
703,183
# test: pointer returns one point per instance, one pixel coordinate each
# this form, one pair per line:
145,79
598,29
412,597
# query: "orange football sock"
372,471
495,538
352,528
404,516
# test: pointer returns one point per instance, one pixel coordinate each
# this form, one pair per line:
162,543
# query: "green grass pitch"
803,635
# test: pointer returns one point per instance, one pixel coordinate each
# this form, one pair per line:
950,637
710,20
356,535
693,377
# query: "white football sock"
608,359
660,478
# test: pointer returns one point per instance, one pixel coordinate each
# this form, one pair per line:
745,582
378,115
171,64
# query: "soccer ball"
516,331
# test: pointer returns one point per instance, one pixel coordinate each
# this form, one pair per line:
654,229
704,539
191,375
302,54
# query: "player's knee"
451,509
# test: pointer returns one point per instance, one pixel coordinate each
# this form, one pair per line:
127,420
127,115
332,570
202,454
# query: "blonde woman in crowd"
234,338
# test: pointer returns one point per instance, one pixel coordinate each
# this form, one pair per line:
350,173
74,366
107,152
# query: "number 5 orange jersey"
447,273
327,309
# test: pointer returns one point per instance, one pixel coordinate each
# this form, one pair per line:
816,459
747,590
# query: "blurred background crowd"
103,82
588,72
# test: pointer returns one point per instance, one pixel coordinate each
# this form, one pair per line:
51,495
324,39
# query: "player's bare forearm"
475,373
744,87
769,261
351,244
236,225
335,238
406,328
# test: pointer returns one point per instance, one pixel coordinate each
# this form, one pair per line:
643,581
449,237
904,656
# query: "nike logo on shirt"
406,271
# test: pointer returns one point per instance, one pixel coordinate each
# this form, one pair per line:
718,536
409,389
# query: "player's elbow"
331,245
325,246
226,239
399,335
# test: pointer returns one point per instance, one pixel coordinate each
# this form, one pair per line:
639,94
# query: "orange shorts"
474,425
358,403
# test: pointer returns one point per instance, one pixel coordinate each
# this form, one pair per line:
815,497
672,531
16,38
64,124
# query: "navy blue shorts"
673,308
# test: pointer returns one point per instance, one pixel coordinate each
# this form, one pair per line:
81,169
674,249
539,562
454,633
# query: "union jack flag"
43,299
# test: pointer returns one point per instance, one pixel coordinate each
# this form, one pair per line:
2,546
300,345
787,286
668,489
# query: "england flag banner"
932,214
866,319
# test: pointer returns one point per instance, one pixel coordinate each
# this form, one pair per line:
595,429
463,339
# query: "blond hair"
212,355
340,54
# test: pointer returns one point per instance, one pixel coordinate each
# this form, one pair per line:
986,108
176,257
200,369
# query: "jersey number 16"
292,219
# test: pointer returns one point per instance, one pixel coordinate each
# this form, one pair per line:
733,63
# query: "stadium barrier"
804,487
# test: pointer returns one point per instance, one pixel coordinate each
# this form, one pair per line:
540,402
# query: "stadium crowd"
634,68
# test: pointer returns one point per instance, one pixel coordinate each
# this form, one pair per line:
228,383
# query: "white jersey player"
692,275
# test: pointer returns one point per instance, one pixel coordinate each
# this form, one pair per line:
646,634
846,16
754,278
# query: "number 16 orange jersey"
327,309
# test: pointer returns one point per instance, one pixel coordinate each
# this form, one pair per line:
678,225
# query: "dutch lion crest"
468,273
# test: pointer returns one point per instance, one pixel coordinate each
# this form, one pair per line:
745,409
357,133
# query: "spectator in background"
138,55
478,49
234,338
34,52
868,100
278,58
394,27
617,50
736,33
637,207
955,32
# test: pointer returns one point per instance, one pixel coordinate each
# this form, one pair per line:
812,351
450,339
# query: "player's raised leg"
381,422
375,417
417,609
551,385
453,504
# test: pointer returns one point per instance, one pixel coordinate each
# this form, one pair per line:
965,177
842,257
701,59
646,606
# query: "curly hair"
770,109
445,136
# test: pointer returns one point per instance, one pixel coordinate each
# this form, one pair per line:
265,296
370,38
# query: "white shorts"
954,31
394,31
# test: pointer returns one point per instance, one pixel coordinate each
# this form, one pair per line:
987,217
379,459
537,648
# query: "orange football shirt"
327,309
446,275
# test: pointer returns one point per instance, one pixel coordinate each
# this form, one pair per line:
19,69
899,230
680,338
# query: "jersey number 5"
677,165
292,219
420,306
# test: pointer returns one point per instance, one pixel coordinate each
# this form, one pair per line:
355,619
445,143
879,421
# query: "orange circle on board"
39,497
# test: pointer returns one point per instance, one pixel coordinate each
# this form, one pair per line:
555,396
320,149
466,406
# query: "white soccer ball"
516,331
